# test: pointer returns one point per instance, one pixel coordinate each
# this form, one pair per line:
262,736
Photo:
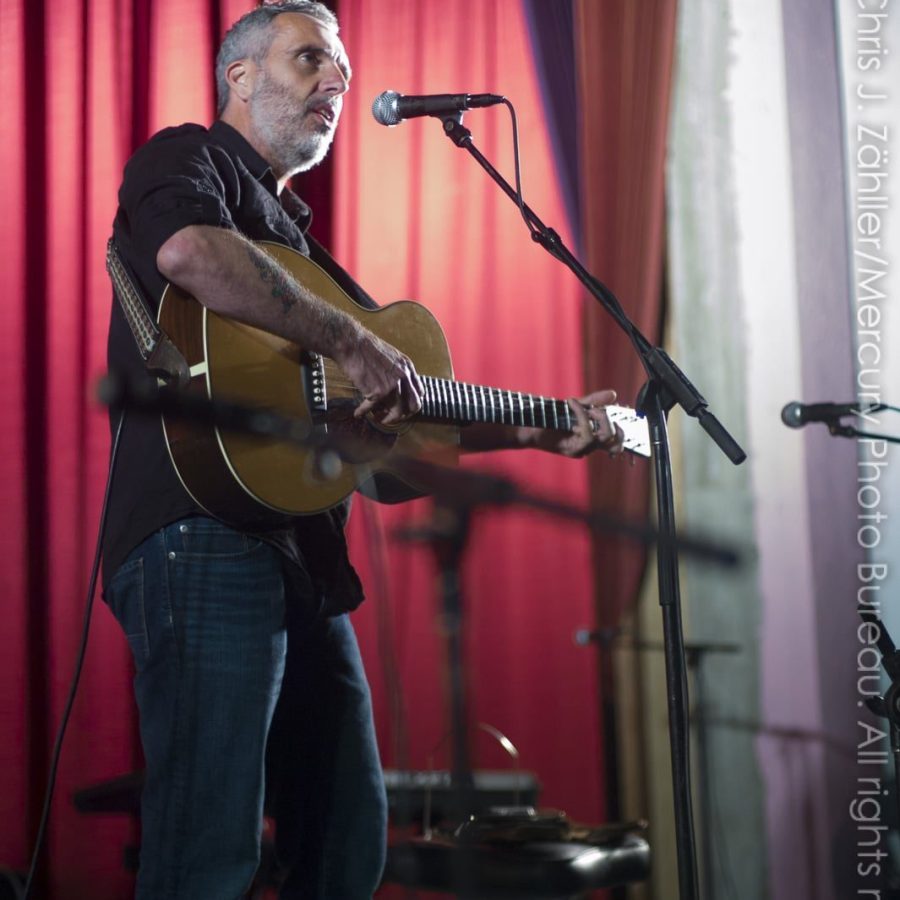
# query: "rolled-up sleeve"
176,180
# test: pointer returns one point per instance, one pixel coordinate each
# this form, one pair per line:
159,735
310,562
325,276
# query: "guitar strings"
459,395
441,391
508,399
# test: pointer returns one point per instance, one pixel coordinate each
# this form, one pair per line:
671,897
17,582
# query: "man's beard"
296,139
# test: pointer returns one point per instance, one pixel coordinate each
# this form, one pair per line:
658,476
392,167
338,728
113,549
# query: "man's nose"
334,81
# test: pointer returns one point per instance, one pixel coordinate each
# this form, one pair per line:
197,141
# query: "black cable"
79,665
520,201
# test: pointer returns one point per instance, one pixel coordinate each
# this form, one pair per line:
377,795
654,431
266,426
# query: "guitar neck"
462,404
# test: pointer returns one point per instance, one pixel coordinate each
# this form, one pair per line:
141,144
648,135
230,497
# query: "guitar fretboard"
456,401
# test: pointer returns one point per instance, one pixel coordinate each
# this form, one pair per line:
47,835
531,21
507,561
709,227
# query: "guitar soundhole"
358,440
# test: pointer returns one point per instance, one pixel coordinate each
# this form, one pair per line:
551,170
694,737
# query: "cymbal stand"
446,535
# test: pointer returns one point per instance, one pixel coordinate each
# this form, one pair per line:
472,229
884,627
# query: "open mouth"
325,112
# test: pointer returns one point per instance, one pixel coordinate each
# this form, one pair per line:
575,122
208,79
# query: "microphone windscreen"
385,109
792,415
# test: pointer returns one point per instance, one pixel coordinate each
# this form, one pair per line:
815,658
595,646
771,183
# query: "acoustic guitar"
245,479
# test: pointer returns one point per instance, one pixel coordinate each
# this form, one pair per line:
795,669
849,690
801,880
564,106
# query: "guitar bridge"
314,384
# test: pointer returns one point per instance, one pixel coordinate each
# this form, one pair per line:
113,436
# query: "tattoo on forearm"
321,326
331,329
271,274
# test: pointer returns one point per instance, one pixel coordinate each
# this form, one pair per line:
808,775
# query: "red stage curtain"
89,80
606,70
416,217
624,61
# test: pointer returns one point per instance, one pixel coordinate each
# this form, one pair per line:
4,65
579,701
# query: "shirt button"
183,529
171,554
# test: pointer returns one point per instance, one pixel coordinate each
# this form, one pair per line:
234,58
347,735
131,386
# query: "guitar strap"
161,357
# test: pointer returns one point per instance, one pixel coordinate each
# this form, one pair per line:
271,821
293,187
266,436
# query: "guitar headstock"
634,426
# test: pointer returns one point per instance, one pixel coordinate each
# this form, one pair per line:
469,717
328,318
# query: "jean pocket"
209,539
125,597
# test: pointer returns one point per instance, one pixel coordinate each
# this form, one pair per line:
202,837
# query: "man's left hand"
593,430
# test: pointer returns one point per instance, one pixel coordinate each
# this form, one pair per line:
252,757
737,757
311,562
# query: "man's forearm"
230,275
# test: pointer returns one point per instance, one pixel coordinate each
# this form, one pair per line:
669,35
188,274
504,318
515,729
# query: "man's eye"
310,58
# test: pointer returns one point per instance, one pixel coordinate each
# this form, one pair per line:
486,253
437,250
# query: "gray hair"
249,37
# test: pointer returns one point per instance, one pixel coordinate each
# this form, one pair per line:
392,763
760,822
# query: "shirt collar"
234,142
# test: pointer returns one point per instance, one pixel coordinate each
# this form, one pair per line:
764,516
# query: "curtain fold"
551,27
14,576
605,71
92,80
624,56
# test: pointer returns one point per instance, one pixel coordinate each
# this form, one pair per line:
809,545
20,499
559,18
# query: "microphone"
390,107
796,415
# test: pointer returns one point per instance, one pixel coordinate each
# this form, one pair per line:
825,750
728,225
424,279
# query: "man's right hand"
387,379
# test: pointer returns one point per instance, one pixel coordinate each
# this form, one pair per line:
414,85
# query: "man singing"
248,677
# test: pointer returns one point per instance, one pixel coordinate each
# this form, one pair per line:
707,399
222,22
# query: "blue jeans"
242,685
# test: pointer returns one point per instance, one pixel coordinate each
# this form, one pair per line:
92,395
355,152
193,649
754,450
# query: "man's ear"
240,76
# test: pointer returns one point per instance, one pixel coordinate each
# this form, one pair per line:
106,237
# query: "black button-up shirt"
184,176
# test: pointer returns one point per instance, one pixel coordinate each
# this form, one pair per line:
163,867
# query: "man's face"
298,94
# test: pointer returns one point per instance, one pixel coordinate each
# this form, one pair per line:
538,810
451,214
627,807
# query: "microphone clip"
455,130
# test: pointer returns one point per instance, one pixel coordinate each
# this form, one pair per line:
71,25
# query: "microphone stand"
666,386
851,431
447,536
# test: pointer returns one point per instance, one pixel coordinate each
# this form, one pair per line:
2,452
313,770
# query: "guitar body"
248,480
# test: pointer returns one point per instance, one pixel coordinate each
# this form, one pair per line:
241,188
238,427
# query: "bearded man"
248,677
